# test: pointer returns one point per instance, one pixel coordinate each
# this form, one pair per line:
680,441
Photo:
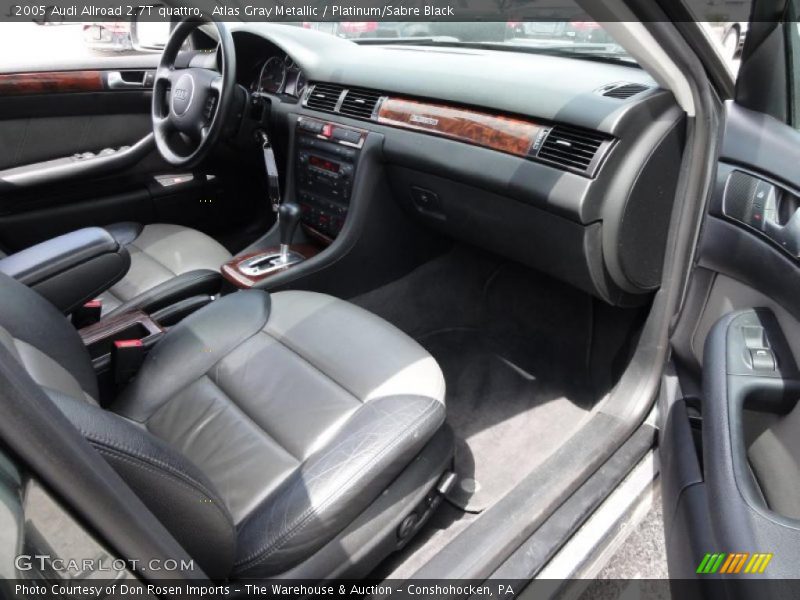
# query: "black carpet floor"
524,357
507,414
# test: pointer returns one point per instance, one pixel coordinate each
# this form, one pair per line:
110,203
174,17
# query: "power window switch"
754,337
762,359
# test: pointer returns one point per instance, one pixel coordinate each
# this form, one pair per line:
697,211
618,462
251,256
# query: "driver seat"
168,263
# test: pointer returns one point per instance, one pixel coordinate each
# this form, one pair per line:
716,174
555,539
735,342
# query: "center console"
325,166
100,338
325,162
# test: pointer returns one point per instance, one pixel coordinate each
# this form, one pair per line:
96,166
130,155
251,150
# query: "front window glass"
573,38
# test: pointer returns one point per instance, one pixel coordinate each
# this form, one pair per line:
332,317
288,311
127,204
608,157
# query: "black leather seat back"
173,488
38,332
178,494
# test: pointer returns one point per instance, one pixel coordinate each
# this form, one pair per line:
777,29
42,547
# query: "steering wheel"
191,101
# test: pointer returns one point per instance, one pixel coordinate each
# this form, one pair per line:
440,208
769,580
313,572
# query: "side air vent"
324,96
359,103
625,91
573,148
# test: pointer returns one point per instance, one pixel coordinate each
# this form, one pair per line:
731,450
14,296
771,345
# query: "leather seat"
168,263
258,429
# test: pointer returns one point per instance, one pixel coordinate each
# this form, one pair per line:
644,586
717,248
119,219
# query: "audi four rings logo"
180,94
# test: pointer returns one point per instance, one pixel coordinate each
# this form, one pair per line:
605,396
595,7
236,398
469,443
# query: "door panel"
76,145
731,476
53,82
31,140
64,116
725,295
53,120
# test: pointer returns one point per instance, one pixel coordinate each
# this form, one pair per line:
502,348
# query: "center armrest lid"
72,268
46,259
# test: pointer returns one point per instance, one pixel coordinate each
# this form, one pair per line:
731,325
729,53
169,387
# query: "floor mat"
514,346
506,411
525,358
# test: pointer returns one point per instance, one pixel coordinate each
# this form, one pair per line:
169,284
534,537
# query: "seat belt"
273,181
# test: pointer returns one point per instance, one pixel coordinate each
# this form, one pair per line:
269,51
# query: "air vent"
324,96
359,103
625,91
573,148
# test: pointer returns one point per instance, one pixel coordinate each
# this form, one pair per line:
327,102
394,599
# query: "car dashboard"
563,164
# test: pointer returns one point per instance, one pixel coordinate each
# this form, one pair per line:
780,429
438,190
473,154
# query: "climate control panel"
325,166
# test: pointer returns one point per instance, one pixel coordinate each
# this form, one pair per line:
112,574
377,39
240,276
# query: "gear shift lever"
288,220
269,262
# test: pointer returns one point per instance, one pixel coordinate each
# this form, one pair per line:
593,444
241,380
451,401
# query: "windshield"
579,38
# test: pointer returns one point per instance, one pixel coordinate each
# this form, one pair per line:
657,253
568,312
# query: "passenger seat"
284,435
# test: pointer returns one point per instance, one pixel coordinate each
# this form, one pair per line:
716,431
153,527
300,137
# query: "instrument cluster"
279,74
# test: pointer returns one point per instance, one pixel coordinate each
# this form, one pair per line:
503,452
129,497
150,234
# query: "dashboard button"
426,199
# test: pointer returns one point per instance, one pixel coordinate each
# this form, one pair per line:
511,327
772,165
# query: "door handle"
787,235
117,81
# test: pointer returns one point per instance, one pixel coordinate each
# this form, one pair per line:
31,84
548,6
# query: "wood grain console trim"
231,271
505,134
50,82
109,326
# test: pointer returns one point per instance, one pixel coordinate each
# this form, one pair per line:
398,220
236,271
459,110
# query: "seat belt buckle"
88,314
127,357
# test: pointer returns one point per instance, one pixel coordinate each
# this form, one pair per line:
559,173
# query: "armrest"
742,397
72,268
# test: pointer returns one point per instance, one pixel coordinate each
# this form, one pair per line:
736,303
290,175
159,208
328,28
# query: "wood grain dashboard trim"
50,82
231,270
505,134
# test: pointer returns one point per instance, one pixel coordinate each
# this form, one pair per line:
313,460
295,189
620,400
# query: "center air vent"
359,103
574,148
338,99
625,91
324,96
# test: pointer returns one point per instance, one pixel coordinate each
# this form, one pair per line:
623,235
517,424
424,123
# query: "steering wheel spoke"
197,131
163,74
163,125
216,84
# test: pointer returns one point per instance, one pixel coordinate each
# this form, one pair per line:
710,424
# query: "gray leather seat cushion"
298,407
165,260
258,428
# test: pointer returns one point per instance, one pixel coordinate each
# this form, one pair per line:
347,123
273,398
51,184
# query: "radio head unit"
326,159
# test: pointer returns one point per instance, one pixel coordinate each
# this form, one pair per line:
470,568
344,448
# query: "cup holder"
99,338
135,331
